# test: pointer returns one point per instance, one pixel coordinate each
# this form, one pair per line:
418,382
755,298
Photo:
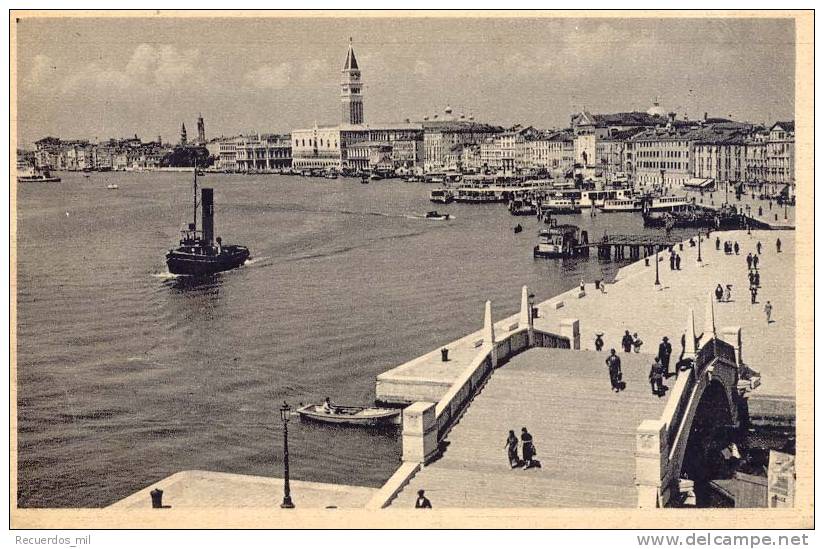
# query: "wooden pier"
623,246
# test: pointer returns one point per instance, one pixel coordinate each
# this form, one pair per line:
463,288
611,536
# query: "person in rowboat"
327,407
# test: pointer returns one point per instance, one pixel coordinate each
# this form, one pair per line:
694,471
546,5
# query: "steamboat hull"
183,263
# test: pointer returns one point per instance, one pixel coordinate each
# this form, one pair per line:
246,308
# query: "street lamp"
657,280
699,247
285,413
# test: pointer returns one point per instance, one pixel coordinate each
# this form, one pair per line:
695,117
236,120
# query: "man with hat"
422,502
664,352
614,365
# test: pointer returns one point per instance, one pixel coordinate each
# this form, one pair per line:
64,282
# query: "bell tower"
351,90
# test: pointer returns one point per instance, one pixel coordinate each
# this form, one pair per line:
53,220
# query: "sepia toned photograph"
511,269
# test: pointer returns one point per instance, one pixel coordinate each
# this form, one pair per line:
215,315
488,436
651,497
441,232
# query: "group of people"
729,247
723,293
658,371
528,453
753,275
675,261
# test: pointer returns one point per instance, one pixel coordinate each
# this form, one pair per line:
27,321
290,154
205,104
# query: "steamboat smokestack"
207,203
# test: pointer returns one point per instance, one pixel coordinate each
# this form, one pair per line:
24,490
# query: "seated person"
327,407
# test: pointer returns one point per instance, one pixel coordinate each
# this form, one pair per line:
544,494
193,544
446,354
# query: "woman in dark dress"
512,449
527,448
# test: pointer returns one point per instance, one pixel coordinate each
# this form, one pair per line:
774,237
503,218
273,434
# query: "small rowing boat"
351,415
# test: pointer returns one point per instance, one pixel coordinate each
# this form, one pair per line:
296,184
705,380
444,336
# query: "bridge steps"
584,434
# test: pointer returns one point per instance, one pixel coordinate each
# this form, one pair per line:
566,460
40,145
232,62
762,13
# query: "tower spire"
351,89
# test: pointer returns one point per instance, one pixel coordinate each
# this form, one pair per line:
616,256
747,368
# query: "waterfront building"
47,154
261,153
721,157
440,136
183,140
781,155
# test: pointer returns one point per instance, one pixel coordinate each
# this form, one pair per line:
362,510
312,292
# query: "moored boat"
622,205
441,196
436,216
561,206
351,415
36,175
560,241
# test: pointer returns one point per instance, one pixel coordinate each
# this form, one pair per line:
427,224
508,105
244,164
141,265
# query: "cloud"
271,77
316,69
41,72
422,68
151,67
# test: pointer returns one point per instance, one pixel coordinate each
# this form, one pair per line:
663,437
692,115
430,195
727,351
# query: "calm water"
127,375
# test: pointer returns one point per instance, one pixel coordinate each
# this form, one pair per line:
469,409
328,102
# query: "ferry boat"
561,206
696,217
559,241
522,206
622,205
29,174
667,203
591,198
441,196
484,193
198,252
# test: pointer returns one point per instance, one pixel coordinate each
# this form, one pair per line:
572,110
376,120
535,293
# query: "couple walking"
527,449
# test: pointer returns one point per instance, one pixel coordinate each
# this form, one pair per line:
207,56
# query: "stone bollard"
646,262
157,498
650,463
570,328
420,432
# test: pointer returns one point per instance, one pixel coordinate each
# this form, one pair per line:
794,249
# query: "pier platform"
584,433
212,490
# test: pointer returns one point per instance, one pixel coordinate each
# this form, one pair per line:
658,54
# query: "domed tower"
351,90
656,109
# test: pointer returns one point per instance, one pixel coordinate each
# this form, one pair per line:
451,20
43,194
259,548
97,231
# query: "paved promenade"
584,434
773,216
211,490
634,303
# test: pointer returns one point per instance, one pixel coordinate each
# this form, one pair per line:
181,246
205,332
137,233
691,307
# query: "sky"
117,77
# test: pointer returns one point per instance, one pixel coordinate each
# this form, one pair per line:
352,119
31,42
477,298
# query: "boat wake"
255,260
165,276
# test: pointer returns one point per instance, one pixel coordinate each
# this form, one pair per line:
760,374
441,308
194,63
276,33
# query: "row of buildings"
650,147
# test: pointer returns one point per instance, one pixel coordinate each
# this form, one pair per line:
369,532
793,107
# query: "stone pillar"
489,333
689,337
732,335
525,316
569,327
420,432
651,463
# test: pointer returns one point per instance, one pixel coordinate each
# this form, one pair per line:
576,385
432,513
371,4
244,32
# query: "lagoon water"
126,374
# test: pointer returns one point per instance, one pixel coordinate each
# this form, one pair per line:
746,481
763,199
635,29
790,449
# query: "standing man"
749,261
717,243
753,293
677,262
755,262
778,245
664,353
672,261
422,502
735,247
758,247
656,377
614,365
768,311
626,342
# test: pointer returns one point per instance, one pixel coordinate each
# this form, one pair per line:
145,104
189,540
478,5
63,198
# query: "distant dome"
656,110
448,110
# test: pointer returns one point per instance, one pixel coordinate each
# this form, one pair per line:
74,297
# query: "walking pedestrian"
751,276
656,378
717,243
614,365
422,502
753,293
728,293
512,450
778,245
755,262
527,448
626,342
749,261
599,341
636,343
664,352
672,261
760,211
758,247
735,247
756,279
677,262
768,310
719,293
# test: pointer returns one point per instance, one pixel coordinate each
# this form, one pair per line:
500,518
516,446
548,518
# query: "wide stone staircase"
584,434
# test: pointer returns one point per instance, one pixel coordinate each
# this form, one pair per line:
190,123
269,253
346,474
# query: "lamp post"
699,248
657,280
785,209
285,413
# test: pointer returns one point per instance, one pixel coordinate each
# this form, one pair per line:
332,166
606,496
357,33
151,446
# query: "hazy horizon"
116,77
